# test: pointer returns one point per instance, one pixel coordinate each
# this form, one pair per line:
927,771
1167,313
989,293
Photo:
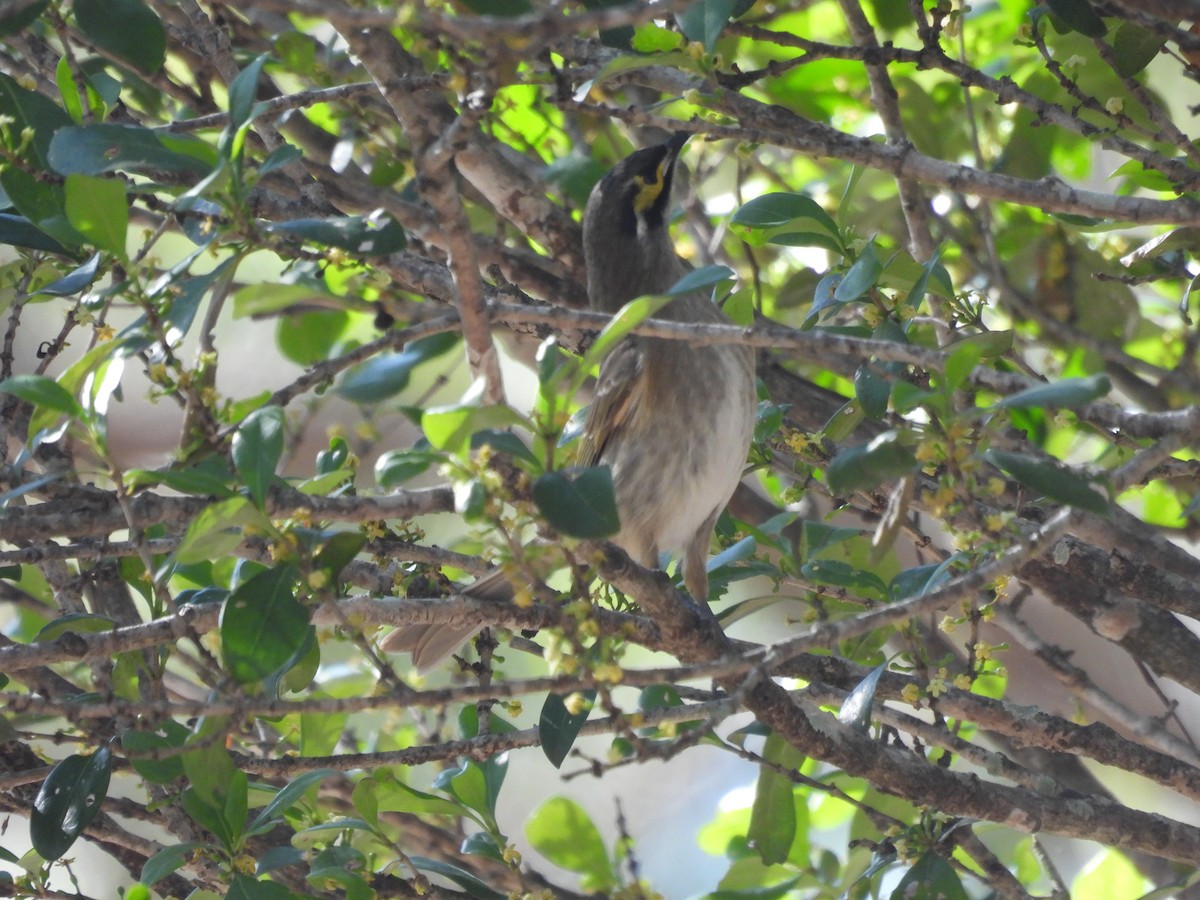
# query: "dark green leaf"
862,468
503,8
310,337
75,281
98,210
861,277
398,466
140,746
773,814
257,448
840,574
168,860
1134,47
98,149
704,21
43,204
775,210
558,727
1051,479
562,832
43,392
242,91
288,795
930,878
78,623
464,879
263,626
823,295
12,22
856,708
18,231
68,801
1065,394
700,278
127,29
385,376
503,442
1079,16
338,550
872,389
580,504
30,109
375,235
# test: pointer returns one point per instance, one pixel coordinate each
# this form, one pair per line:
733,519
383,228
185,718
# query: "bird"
671,419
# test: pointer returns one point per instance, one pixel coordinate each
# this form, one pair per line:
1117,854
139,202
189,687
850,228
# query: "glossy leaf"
1079,15
18,231
68,801
580,503
167,860
464,879
127,29
21,16
856,708
1050,479
860,277
242,91
263,626
31,110
700,278
930,878
558,727
1065,394
1135,47
864,467
783,208
74,281
257,449
42,391
375,235
704,21
385,376
102,148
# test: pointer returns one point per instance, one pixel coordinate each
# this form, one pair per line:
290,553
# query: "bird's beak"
675,144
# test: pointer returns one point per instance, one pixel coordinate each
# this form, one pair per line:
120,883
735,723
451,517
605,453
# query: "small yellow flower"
983,650
608,673
374,530
937,684
911,694
995,486
514,707
512,856
948,624
105,332
1114,105
318,579
523,598
575,703
962,682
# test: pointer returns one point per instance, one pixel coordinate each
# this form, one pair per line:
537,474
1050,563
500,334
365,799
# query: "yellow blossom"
937,684
962,681
105,332
911,694
318,579
1114,105
575,703
608,673
948,624
983,650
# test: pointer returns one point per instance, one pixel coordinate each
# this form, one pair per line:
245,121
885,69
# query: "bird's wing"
619,390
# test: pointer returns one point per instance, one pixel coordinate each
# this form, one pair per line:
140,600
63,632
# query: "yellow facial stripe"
648,190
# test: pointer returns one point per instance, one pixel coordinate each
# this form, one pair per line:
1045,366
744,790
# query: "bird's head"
627,245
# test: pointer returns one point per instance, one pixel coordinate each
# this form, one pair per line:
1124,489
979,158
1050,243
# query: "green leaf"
384,376
651,38
257,449
42,392
872,390
558,727
580,504
843,575
861,277
773,814
464,879
168,860
98,210
140,745
704,21
397,466
856,708
450,428
930,878
502,8
1079,16
263,626
1065,394
1051,479
698,279
375,235
372,796
1134,47
862,468
18,231
628,317
68,801
20,18
287,797
74,281
242,91
127,29
98,149
78,623
338,550
29,109
961,360
562,832
775,210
